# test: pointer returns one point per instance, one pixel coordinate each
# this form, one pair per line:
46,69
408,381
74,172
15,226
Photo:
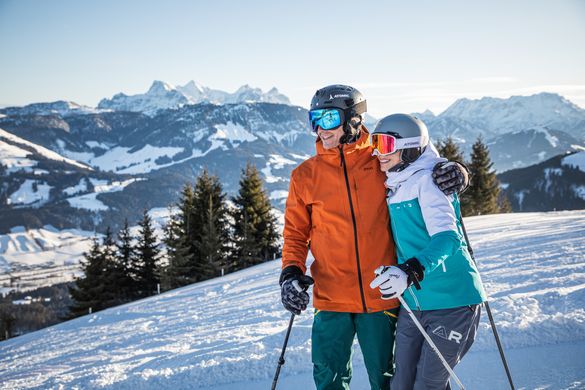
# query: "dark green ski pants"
332,337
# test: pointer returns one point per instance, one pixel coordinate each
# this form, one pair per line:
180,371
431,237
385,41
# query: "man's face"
330,138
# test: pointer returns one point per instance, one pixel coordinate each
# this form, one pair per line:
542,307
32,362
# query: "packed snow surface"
227,333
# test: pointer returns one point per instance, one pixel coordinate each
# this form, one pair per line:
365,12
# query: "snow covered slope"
226,333
40,248
14,152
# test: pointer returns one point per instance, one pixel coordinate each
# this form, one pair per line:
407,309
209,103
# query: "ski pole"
281,359
431,343
489,313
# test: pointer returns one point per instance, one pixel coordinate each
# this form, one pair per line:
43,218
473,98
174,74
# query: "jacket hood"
426,161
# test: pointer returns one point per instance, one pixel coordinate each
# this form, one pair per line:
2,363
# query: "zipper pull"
341,156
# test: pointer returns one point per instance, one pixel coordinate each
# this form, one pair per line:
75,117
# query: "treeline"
47,306
207,236
483,196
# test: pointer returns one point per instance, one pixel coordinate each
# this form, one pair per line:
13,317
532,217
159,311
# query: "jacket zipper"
355,234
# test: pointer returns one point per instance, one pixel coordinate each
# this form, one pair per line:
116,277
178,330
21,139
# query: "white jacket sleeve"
437,208
441,224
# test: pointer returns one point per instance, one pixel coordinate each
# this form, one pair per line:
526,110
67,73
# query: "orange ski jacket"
337,206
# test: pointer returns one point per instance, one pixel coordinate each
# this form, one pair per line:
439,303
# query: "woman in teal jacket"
440,281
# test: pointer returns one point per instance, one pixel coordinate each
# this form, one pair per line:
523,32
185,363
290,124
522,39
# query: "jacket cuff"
289,272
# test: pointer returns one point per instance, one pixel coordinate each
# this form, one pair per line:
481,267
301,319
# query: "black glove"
451,177
414,270
293,289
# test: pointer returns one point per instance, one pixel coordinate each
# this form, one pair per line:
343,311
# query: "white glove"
391,281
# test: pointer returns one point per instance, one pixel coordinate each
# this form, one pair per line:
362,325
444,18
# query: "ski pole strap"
431,343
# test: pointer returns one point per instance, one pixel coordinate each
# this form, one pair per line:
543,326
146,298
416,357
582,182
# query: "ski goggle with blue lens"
326,118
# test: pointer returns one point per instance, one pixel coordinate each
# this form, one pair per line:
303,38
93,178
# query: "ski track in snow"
227,333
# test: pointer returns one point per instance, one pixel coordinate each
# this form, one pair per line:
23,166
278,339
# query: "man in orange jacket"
336,205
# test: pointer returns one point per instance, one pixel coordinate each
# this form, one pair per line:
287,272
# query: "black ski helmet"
404,126
349,100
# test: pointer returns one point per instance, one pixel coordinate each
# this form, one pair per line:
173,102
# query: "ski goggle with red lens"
387,144
383,143
326,118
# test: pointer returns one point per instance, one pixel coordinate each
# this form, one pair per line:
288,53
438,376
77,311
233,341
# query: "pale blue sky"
405,56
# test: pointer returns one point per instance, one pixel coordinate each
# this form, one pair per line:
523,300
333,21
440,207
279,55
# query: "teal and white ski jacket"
426,225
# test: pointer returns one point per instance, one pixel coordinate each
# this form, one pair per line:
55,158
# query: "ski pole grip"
298,287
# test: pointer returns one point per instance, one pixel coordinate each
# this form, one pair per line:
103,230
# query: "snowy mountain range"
227,333
520,131
162,96
127,161
86,168
517,113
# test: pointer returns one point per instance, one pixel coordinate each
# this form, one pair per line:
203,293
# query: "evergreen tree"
147,256
504,203
178,271
484,189
124,263
210,216
255,234
450,150
189,224
113,273
91,290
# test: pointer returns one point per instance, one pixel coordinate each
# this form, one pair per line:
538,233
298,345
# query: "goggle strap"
405,143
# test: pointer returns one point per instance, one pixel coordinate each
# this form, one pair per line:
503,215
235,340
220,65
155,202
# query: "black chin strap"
350,133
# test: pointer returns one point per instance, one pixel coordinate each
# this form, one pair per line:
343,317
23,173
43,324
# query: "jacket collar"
426,161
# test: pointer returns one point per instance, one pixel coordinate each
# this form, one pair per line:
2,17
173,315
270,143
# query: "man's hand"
451,177
293,289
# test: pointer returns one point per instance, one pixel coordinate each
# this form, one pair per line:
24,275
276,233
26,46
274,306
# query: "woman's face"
389,160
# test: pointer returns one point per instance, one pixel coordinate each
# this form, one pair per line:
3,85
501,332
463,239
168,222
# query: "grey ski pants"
417,365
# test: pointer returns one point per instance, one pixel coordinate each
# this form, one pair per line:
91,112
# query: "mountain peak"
500,115
162,95
159,87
